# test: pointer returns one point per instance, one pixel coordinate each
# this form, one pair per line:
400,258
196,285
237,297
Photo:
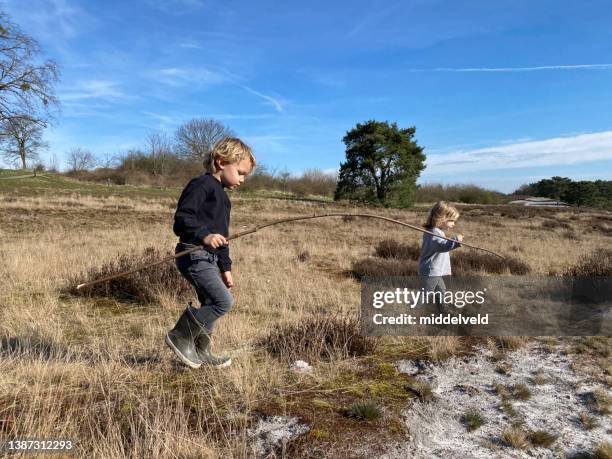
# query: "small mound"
143,286
319,337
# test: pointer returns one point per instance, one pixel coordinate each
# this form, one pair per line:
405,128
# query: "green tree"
580,193
554,187
382,164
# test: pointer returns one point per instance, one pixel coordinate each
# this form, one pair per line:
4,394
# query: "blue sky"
501,93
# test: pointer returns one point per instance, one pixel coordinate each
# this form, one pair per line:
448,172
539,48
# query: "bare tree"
53,163
159,149
108,161
196,138
80,159
26,83
21,140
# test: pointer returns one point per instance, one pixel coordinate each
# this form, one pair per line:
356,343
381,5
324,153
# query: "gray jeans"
435,284
201,270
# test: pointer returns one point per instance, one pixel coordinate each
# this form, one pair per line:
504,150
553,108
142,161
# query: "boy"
202,218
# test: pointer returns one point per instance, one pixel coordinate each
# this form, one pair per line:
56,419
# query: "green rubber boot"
181,339
202,344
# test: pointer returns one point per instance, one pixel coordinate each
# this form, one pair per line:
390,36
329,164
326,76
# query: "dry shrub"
602,227
390,248
554,224
515,437
570,234
319,337
143,286
375,267
598,263
442,347
463,262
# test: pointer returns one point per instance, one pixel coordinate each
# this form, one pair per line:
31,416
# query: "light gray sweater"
434,259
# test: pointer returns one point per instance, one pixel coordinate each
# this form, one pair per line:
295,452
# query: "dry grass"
597,263
95,368
319,337
515,437
603,451
144,286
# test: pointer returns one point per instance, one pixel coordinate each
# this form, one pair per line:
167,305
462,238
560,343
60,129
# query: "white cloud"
93,89
371,20
550,152
176,77
50,19
520,69
275,102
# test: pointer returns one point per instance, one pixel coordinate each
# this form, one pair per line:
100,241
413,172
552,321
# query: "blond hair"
231,150
439,213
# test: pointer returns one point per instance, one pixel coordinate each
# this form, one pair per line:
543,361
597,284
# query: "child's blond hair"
439,213
231,150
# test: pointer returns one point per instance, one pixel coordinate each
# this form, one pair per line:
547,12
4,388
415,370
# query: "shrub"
376,267
472,420
588,422
598,264
366,410
468,194
390,248
603,451
541,438
319,337
515,437
144,286
520,392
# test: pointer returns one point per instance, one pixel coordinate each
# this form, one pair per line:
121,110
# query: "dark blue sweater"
204,208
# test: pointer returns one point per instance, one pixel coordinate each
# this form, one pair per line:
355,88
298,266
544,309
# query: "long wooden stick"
277,222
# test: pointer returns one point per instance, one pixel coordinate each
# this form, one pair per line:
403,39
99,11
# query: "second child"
434,260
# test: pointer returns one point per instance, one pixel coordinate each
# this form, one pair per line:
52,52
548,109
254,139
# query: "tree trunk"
22,155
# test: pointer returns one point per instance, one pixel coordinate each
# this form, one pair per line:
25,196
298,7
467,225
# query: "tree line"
591,193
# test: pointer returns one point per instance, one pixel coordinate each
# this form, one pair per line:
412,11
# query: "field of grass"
96,369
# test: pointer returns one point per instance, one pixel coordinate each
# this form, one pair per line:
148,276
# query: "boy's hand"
227,279
460,237
214,241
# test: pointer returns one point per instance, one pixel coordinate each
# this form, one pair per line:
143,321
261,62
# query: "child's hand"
214,241
227,279
459,237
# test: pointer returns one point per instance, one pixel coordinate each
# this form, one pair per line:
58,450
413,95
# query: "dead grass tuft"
603,451
515,437
143,286
588,422
319,337
541,438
